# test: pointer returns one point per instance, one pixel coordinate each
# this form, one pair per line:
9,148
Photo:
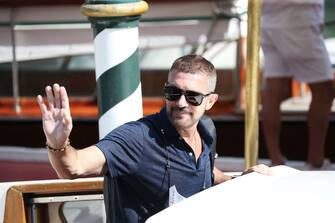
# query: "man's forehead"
188,81
197,75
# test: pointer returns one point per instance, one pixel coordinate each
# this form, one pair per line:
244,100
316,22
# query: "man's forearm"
64,162
73,163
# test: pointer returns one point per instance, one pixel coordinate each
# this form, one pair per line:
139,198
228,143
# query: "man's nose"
181,102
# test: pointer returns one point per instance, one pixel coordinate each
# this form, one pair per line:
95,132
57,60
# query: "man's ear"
211,101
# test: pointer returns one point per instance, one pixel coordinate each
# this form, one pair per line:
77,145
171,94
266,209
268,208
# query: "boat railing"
53,201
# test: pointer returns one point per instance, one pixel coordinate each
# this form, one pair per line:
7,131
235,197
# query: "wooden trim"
114,10
16,209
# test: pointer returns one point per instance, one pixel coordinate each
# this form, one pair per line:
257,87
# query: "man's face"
181,113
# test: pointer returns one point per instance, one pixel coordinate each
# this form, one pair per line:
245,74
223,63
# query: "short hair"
195,64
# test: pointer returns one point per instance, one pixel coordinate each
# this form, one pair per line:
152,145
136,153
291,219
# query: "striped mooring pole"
115,25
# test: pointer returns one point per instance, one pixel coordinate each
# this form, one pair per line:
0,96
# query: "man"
293,47
154,162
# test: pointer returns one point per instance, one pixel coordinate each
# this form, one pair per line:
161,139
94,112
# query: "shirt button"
190,153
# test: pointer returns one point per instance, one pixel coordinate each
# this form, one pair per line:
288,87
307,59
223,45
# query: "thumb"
67,120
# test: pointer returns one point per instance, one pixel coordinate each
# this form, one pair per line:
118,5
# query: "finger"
67,120
66,107
56,89
263,169
64,99
42,106
50,97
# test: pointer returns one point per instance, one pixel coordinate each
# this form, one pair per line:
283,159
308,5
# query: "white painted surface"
113,46
288,196
130,109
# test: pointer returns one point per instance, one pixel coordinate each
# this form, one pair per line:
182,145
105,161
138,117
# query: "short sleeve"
123,148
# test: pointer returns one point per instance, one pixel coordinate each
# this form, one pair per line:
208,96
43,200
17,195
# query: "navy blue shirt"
145,158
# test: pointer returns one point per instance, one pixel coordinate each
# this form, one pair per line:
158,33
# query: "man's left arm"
220,177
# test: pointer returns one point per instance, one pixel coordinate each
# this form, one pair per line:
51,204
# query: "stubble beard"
181,118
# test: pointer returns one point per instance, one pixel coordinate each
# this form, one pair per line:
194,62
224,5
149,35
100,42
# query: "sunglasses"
172,93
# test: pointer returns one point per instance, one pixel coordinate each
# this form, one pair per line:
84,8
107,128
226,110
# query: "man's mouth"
180,112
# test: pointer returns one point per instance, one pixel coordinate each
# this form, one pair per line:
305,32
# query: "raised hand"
56,117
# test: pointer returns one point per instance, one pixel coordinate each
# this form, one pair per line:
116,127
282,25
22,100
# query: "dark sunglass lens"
194,98
172,97
172,93
171,90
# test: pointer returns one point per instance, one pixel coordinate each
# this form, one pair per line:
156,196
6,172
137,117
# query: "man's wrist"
61,149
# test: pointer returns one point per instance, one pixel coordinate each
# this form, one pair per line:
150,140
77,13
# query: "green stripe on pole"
124,79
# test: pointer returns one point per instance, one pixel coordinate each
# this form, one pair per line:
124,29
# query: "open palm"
56,117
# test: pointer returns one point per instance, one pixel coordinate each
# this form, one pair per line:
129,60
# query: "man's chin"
181,122
180,119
